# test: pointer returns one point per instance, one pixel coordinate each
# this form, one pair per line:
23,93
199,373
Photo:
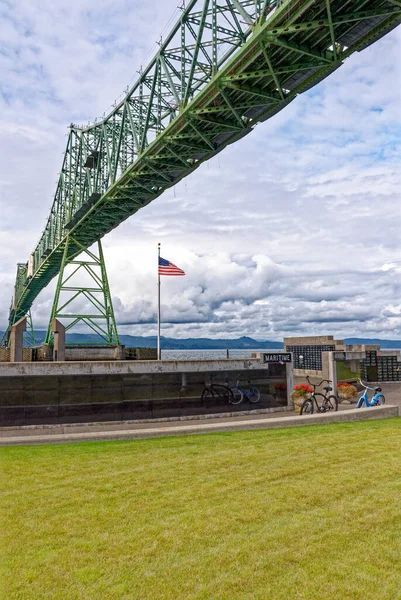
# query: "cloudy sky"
296,229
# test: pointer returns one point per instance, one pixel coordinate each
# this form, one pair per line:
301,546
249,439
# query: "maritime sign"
285,357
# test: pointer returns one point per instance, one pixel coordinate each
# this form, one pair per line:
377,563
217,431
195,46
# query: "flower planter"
299,395
346,392
298,399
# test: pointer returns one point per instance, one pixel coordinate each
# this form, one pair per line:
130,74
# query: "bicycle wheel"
381,400
237,396
207,396
320,402
254,395
307,407
223,392
331,403
359,404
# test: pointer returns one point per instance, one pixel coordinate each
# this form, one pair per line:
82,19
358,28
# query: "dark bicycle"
217,391
327,401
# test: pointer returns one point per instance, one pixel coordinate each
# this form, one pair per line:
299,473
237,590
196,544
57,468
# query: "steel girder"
225,66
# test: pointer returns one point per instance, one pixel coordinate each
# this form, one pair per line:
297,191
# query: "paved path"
391,391
66,434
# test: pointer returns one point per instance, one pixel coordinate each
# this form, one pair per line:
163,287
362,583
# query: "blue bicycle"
239,393
377,400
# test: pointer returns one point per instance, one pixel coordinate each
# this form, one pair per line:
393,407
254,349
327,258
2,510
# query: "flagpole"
158,306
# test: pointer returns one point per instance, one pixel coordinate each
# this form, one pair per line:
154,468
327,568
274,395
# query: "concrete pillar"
289,369
354,365
58,330
16,340
45,352
119,352
330,369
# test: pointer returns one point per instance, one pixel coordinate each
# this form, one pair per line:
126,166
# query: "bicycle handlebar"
315,385
366,386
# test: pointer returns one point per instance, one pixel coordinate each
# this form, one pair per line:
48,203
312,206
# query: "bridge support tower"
94,295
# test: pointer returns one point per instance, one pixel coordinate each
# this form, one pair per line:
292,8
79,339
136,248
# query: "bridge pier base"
58,330
17,340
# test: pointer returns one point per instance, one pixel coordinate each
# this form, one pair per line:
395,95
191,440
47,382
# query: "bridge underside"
188,105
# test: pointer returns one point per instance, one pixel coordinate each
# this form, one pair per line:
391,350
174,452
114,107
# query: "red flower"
303,388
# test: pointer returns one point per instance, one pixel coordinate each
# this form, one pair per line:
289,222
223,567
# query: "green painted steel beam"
325,55
331,22
220,126
239,118
248,89
290,68
331,27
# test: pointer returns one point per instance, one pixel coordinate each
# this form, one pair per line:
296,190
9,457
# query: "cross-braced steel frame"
29,333
96,295
226,66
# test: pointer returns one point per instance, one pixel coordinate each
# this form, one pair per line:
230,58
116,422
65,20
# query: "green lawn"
344,372
308,513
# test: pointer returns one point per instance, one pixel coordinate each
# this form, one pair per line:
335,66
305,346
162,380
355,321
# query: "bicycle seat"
378,389
328,388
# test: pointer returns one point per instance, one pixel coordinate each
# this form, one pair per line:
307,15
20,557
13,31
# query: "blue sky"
293,230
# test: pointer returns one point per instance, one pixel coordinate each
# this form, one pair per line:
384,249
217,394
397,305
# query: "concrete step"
60,435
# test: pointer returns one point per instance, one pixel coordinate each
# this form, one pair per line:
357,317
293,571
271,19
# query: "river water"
218,354
209,354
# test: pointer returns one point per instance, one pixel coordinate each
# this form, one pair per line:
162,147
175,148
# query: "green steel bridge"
226,66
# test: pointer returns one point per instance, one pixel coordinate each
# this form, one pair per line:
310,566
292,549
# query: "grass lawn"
344,372
311,513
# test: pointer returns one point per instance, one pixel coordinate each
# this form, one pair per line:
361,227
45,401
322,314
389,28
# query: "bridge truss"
226,66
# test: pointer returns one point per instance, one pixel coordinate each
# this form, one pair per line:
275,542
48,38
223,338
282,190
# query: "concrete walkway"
131,431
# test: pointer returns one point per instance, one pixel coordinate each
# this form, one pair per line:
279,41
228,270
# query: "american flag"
167,268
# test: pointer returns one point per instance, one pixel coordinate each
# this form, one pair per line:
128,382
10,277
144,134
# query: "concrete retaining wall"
138,366
141,353
82,392
5,355
44,353
82,353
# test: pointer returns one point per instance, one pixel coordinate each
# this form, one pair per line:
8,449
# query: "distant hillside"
383,343
242,343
